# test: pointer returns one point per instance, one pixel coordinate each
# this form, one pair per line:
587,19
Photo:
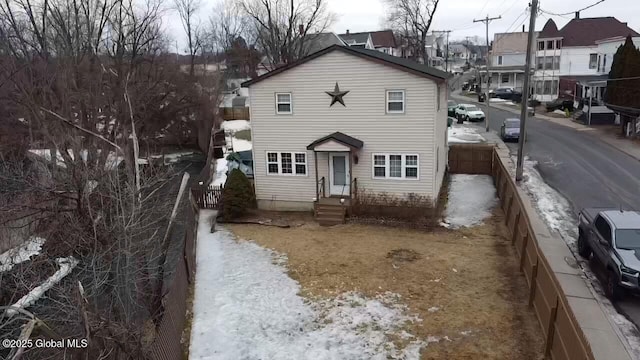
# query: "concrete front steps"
329,214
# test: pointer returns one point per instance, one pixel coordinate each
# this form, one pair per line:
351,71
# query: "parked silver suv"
613,237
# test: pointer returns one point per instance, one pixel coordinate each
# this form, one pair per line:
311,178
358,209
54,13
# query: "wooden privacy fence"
236,113
564,337
207,198
167,345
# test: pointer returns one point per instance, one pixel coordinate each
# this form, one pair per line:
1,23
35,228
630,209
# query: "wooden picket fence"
208,198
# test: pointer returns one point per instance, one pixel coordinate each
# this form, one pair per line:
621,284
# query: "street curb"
578,290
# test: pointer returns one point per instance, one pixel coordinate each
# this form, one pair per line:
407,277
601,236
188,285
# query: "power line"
573,12
486,22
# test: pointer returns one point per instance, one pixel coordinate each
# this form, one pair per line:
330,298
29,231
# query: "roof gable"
371,55
549,30
587,31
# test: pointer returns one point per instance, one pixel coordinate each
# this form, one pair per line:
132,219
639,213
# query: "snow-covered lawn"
247,307
463,135
241,144
471,200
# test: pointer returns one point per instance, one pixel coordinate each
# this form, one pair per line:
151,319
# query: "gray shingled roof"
373,55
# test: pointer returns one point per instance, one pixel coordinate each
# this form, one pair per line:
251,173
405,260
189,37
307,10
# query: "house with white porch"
346,120
569,60
507,60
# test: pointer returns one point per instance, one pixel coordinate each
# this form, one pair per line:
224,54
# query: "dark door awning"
338,137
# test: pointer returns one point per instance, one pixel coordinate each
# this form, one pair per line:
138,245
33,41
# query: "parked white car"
468,112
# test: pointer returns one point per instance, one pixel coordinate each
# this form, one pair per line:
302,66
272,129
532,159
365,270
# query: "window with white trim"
286,163
395,166
395,101
283,103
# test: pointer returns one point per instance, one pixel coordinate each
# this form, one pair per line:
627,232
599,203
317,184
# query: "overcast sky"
458,15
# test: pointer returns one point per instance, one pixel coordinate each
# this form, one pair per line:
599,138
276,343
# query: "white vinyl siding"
395,101
364,117
395,166
286,163
284,104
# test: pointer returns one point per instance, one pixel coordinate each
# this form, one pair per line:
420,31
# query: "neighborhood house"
345,120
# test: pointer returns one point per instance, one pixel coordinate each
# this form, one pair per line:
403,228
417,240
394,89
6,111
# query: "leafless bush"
382,206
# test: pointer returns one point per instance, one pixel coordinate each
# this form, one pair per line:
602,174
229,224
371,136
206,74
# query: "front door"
339,174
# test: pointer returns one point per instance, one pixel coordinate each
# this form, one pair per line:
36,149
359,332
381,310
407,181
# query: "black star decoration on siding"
336,95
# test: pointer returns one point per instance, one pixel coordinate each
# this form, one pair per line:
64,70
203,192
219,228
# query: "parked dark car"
613,237
510,130
451,108
559,104
506,93
482,97
465,86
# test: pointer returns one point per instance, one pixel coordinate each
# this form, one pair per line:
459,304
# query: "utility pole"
486,22
525,91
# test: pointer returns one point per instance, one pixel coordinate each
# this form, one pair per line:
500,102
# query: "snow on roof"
471,200
247,306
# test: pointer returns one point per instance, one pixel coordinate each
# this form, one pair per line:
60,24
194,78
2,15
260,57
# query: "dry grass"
485,295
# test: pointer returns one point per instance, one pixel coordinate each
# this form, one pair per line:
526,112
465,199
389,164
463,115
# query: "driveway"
585,170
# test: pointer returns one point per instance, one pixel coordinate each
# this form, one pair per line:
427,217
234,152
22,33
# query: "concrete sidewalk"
621,144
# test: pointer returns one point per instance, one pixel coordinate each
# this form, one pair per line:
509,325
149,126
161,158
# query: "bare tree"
280,26
188,11
92,80
227,23
412,20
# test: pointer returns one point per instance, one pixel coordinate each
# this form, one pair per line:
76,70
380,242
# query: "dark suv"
506,94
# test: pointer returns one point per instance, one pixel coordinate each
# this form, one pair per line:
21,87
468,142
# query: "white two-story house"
346,120
571,60
507,60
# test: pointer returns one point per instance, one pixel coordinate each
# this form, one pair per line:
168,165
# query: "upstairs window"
539,62
556,63
550,45
283,103
548,63
540,45
558,44
593,61
500,60
395,101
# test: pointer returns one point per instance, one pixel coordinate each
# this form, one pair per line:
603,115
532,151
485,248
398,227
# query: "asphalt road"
584,170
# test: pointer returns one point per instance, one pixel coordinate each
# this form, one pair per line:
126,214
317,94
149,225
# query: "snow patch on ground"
498,100
463,135
66,266
553,207
247,307
233,126
22,253
471,200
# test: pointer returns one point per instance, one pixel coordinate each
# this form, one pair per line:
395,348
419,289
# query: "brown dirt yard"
471,275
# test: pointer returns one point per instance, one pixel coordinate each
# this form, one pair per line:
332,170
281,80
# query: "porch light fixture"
342,201
314,199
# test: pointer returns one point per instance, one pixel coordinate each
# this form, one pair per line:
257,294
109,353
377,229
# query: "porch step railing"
320,189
